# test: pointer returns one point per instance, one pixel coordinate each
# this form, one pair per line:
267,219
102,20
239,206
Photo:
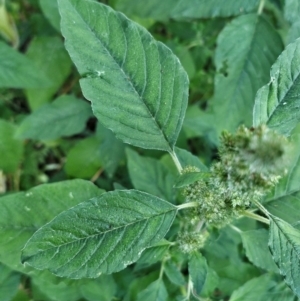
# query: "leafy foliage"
147,77
102,235
211,170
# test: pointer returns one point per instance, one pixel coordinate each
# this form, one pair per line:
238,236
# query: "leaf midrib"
101,233
122,70
283,98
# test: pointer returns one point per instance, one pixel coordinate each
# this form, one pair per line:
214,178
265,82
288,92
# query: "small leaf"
9,283
66,116
84,159
21,214
11,149
137,87
112,150
242,68
198,271
188,159
103,235
150,175
48,55
190,178
173,273
255,244
291,10
50,10
155,291
263,288
155,9
196,9
153,254
277,103
284,242
17,71
284,202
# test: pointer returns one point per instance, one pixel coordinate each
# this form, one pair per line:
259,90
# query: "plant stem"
188,205
161,272
176,161
256,217
261,6
262,208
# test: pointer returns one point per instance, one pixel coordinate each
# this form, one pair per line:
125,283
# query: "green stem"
261,7
161,272
176,161
262,208
256,217
188,205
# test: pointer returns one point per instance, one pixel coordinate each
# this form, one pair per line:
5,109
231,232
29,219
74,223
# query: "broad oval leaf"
284,242
21,214
277,103
65,116
242,68
102,235
137,87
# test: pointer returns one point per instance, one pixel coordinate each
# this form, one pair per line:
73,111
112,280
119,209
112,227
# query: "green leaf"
11,150
276,104
50,10
292,10
196,9
9,283
49,55
294,32
21,214
17,71
173,273
112,150
103,235
150,175
155,9
198,271
103,286
153,254
257,251
155,291
190,178
188,159
242,68
284,202
263,288
44,288
84,159
137,87
66,116
284,242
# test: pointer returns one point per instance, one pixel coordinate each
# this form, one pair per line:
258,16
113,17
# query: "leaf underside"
137,87
277,104
284,242
242,68
102,235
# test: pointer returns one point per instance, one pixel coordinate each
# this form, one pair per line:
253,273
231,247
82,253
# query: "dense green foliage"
149,150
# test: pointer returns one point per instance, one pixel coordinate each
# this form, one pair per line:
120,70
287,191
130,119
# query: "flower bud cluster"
191,241
251,162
